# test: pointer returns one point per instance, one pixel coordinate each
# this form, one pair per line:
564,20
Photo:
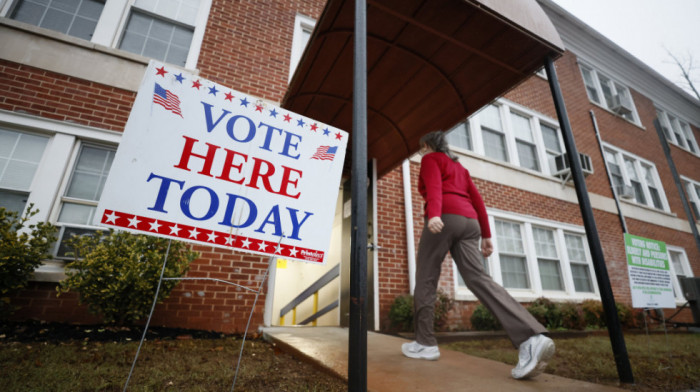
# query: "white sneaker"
533,357
419,351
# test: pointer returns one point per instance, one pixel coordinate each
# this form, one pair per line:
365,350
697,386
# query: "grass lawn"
163,365
659,362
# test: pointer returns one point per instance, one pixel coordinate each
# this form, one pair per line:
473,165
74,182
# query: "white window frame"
687,271
54,170
692,188
506,108
620,156
301,23
595,74
665,121
535,291
115,15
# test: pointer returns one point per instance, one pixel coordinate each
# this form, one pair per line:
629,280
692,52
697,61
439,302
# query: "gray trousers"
460,237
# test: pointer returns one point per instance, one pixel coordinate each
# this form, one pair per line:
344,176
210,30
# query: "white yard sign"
203,163
649,273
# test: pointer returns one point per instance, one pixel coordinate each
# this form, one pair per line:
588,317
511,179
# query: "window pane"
13,201
590,85
459,136
77,18
527,154
184,11
677,132
689,138
551,138
582,278
494,145
76,213
147,36
677,264
509,237
550,274
66,234
544,243
90,173
20,154
607,90
490,117
664,125
514,272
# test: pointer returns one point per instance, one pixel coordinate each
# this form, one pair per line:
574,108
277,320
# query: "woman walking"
456,220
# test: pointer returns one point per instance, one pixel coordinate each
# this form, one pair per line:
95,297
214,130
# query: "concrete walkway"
388,370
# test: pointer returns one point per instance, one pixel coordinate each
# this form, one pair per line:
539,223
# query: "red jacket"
447,188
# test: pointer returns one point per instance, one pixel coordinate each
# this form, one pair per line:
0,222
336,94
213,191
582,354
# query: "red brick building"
69,78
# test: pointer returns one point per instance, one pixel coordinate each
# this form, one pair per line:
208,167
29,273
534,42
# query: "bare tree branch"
686,67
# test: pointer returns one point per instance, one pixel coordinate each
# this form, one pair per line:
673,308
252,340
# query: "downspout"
408,209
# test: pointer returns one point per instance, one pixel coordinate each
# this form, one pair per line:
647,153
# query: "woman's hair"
436,141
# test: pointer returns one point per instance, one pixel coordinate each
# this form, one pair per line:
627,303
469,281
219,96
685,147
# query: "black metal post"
624,370
357,339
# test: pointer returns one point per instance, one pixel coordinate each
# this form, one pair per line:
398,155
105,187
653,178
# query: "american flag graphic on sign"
167,99
325,153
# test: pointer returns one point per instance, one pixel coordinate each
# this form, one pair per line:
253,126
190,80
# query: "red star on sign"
161,71
196,84
338,136
229,97
314,127
258,108
287,118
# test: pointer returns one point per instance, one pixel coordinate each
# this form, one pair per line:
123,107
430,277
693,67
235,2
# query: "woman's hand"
486,247
435,224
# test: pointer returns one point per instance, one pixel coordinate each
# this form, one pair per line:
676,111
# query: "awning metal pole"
357,339
624,370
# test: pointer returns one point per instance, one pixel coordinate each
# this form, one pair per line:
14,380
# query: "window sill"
50,271
463,294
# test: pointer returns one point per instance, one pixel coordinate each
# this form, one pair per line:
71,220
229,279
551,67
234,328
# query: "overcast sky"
645,28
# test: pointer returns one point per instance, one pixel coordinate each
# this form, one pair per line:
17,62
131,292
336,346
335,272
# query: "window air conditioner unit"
625,191
622,104
561,163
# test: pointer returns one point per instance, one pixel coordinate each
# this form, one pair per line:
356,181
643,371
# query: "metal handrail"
313,289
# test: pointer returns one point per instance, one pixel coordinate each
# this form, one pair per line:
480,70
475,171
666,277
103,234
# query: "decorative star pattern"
205,236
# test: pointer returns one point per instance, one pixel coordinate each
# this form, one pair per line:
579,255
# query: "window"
580,268
692,190
73,17
161,30
82,193
533,257
20,154
303,27
512,255
609,93
547,259
510,133
166,30
679,269
677,131
459,136
639,181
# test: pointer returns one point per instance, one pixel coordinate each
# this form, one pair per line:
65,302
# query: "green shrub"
546,312
401,312
626,315
572,316
21,252
117,274
483,320
593,313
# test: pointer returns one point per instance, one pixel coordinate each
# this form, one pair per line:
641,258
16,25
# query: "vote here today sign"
200,162
649,273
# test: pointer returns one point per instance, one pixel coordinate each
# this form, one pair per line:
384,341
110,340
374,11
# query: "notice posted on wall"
204,163
649,273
